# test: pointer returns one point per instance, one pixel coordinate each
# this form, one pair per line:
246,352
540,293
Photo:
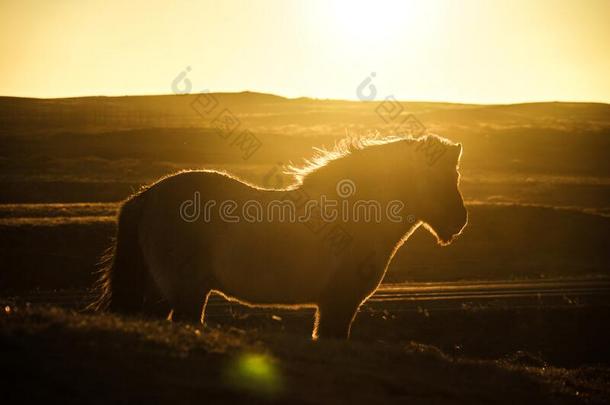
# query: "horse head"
440,205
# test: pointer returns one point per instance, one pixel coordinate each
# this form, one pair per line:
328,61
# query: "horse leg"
154,304
189,305
334,319
189,291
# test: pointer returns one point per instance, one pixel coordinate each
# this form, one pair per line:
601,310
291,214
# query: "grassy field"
536,180
75,358
98,149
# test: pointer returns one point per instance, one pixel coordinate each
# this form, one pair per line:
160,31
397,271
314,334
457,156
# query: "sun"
380,21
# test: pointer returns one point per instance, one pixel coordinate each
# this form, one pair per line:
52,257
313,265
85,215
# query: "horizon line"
152,94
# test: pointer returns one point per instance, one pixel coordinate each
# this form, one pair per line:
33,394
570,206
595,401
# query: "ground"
74,357
535,178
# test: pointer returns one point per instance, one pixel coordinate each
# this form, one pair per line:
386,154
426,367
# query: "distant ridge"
248,96
263,112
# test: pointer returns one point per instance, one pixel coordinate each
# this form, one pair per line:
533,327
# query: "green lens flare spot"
256,373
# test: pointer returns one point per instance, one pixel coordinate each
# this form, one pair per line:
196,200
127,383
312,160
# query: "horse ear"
458,148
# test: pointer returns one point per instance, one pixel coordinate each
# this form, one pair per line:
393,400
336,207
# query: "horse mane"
351,144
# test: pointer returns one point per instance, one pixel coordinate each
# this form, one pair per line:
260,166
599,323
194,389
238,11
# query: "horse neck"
388,233
381,184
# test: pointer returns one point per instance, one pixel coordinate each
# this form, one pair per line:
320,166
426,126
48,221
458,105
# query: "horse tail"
123,272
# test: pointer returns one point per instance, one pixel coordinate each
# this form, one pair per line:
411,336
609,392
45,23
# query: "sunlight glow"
377,22
433,50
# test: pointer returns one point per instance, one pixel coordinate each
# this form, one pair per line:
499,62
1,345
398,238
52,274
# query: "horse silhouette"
167,257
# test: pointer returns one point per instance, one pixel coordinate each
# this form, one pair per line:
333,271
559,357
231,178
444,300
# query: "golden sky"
454,50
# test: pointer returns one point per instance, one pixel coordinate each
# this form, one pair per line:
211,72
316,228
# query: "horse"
184,237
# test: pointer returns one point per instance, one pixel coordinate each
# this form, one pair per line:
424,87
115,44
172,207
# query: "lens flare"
255,372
